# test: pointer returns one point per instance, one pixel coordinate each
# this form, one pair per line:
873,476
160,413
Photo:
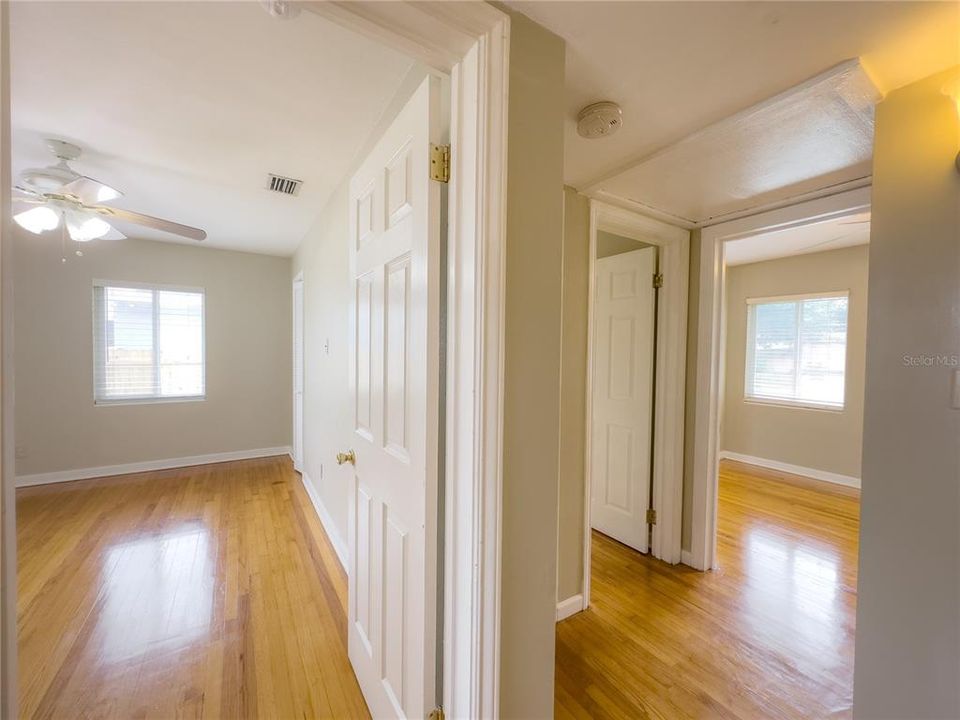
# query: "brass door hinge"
651,517
436,714
440,163
658,280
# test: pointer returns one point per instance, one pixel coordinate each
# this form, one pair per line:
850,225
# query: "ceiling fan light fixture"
85,229
38,219
106,193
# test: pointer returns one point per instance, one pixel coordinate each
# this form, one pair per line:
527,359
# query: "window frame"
99,322
748,363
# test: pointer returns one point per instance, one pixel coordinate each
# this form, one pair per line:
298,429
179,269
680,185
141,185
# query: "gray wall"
573,388
811,438
531,422
248,356
908,607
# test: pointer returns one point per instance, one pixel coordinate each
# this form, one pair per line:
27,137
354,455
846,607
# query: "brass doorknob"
347,457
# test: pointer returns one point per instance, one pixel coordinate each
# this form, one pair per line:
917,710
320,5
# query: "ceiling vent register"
283,185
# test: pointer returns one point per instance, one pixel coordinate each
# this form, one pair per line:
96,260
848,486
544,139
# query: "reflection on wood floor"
201,592
767,635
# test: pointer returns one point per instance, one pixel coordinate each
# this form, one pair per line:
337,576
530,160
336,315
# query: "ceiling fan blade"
91,191
151,222
22,194
114,234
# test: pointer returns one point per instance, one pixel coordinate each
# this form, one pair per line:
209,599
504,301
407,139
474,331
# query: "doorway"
633,455
845,207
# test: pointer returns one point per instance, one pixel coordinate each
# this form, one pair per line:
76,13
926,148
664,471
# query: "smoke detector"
599,120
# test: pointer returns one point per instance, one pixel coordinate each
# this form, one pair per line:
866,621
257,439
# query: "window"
148,343
797,349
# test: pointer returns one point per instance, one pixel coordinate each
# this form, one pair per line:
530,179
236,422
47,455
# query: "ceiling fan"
61,194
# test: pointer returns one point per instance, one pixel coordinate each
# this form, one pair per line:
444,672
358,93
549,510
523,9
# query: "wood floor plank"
767,635
206,592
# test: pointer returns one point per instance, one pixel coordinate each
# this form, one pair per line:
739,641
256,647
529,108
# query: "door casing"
710,344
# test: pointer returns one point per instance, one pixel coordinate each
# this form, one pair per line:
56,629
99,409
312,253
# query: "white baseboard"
146,466
571,606
812,473
338,544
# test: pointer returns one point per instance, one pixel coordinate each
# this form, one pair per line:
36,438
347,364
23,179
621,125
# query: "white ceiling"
186,107
679,67
817,237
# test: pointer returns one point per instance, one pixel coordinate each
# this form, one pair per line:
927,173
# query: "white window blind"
797,349
148,343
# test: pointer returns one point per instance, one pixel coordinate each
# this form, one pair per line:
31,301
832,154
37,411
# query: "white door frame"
669,384
298,339
710,348
470,41
8,500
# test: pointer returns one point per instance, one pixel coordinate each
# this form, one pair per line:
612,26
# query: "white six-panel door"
395,334
623,362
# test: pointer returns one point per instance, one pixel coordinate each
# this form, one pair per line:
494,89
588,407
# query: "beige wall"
248,356
323,258
531,422
908,606
573,388
819,439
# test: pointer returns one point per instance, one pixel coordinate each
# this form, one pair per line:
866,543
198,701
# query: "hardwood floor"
768,635
202,592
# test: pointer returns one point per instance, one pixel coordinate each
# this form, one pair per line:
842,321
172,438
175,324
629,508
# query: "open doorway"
633,429
783,586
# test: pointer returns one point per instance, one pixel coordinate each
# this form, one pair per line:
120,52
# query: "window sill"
150,400
795,404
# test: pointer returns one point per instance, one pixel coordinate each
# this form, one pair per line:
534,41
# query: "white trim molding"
61,476
671,360
812,473
571,606
711,341
474,410
326,520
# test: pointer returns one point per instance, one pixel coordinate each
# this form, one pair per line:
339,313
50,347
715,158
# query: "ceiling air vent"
283,185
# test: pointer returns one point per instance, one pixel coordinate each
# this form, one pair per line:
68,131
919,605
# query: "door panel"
624,317
395,265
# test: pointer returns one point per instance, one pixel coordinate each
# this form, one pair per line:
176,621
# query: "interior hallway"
770,634
209,591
